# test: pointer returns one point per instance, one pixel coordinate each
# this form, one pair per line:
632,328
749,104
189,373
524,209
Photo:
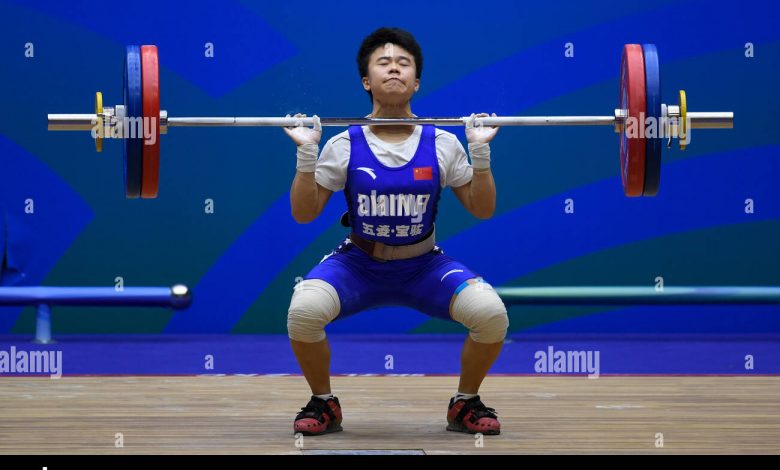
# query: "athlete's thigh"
345,270
432,290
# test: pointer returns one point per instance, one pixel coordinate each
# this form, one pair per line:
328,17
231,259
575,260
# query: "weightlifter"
392,177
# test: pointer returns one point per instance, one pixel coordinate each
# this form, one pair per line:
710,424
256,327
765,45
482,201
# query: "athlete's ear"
366,84
416,84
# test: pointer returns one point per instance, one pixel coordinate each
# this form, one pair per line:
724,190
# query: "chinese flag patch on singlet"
423,173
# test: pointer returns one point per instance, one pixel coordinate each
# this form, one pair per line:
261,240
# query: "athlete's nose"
394,68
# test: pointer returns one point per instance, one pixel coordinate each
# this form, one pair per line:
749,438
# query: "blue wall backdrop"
274,58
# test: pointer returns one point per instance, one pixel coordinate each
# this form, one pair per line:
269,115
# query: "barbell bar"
86,122
641,120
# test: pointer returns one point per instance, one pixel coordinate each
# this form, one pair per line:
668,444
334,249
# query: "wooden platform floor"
253,415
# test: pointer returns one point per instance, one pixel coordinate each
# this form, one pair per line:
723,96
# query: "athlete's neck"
390,111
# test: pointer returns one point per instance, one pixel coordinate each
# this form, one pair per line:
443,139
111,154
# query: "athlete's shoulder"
445,136
447,142
339,139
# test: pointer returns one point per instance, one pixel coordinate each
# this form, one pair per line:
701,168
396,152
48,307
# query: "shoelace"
478,410
315,409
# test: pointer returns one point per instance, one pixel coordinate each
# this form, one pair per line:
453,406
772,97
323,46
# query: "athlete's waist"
384,252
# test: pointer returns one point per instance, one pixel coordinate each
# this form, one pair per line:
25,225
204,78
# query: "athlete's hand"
479,134
305,135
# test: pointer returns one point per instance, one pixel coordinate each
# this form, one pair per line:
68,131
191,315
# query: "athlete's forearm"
483,188
304,197
483,194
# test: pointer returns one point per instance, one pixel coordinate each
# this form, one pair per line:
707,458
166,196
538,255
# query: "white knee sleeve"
314,304
479,308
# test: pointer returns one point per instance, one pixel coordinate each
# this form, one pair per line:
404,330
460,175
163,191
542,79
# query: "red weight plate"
633,100
151,110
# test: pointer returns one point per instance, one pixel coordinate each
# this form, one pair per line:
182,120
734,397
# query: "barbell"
641,120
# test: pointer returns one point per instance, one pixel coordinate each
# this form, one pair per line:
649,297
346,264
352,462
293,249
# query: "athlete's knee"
479,308
314,304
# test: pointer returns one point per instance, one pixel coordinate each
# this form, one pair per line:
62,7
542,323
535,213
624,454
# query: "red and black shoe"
472,416
319,417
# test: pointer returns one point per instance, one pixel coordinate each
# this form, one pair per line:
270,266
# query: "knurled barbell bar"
641,119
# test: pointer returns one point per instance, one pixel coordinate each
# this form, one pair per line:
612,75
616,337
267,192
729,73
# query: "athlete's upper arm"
455,163
331,171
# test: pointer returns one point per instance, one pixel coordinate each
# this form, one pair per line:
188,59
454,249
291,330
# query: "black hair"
379,38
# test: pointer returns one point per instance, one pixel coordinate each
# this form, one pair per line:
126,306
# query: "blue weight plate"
133,148
653,145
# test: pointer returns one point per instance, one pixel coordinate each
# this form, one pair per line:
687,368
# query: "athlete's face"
392,75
